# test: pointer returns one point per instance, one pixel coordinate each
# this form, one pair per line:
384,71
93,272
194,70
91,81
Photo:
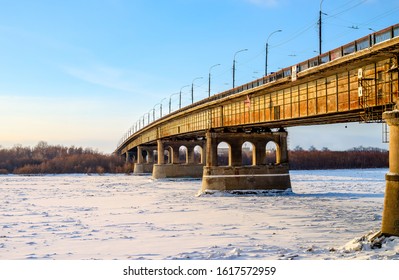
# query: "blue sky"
81,72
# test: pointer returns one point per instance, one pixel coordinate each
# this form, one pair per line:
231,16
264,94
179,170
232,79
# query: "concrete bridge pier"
177,167
144,164
390,216
238,175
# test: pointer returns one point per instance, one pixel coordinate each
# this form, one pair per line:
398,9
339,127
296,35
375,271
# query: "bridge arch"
183,154
248,153
151,155
168,154
143,155
198,154
224,154
273,153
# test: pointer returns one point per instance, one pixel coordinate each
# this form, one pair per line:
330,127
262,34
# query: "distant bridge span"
355,82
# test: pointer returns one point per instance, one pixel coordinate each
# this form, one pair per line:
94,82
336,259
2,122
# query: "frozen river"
135,217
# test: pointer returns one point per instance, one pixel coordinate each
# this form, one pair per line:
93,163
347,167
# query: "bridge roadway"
355,82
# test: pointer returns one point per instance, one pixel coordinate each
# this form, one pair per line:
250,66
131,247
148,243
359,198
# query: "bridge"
357,82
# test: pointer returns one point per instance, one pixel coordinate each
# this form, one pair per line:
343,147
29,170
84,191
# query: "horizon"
81,78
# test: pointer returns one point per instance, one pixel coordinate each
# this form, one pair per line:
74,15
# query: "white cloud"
104,76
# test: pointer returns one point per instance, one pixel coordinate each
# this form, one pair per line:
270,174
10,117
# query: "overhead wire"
347,6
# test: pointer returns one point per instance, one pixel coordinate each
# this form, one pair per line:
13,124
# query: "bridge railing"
353,47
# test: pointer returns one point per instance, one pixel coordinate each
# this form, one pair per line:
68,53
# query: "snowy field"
135,217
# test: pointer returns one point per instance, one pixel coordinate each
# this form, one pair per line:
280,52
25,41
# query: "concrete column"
260,151
190,154
390,216
203,153
175,155
282,151
211,150
161,156
139,155
236,153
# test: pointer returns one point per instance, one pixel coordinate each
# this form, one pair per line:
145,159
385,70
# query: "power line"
348,9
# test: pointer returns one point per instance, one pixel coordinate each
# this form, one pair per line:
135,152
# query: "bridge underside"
226,160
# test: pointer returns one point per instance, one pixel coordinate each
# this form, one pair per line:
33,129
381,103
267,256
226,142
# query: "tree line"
360,157
47,159
300,159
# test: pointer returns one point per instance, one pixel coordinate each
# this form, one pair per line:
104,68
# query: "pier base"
177,171
141,168
228,178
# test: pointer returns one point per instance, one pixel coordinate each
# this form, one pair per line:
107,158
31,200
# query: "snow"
332,214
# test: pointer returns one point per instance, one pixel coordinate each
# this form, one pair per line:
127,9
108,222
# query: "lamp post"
192,88
170,102
234,65
160,107
209,79
267,49
153,113
180,95
148,115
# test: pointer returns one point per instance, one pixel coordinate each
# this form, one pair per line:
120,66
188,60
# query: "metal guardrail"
353,47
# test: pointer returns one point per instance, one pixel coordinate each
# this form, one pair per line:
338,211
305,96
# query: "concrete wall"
177,171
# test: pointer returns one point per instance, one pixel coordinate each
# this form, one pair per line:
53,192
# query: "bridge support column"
236,176
176,169
390,216
161,152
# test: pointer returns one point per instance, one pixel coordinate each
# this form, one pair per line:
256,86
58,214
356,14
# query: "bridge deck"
355,82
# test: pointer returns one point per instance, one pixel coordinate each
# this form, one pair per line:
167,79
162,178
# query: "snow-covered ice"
326,216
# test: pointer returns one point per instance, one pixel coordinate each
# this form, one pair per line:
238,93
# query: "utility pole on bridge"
320,21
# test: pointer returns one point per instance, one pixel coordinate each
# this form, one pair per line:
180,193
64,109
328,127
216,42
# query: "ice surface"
135,217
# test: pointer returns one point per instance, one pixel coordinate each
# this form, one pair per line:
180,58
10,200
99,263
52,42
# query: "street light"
137,126
192,88
180,95
160,107
148,114
234,65
153,113
267,49
209,80
170,102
